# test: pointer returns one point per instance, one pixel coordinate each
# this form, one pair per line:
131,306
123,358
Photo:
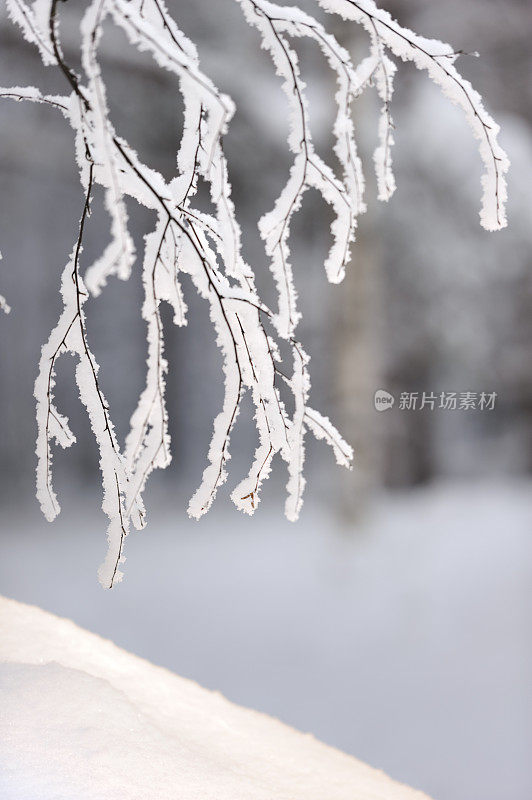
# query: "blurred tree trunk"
356,333
357,354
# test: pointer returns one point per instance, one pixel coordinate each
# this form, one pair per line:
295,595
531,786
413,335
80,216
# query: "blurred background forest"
395,619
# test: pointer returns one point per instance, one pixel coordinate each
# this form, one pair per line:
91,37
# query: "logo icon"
383,400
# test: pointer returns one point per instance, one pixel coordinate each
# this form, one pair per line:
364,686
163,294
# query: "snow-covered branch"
206,249
438,59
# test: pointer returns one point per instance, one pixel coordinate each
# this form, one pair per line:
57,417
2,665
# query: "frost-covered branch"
438,58
275,23
205,249
70,335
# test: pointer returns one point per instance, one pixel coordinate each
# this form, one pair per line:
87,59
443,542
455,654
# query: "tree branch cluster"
207,248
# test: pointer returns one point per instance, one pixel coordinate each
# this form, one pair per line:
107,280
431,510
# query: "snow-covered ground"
81,719
406,641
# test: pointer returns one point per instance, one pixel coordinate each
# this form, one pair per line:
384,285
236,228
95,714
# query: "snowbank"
81,718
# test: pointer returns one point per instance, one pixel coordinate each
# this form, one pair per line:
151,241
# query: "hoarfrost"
188,244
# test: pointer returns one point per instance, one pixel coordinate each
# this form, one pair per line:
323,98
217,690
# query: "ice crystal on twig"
206,249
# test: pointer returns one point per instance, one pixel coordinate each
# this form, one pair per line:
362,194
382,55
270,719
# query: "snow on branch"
438,59
205,250
4,305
